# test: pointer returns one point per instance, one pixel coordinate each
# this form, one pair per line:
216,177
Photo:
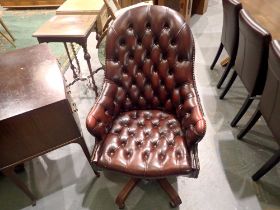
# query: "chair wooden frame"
8,32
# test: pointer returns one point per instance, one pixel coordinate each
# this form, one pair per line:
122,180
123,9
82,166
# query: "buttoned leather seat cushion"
145,143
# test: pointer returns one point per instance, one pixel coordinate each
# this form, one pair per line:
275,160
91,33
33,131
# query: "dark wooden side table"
70,28
35,114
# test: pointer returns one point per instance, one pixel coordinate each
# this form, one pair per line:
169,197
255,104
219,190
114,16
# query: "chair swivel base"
165,185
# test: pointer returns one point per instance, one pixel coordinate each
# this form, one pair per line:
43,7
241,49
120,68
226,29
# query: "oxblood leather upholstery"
148,120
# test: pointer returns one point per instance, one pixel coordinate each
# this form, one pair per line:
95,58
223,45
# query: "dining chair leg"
242,110
83,145
229,84
6,29
217,56
226,71
267,166
11,42
122,196
250,124
173,195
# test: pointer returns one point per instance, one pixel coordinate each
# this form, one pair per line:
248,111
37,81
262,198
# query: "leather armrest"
101,116
192,119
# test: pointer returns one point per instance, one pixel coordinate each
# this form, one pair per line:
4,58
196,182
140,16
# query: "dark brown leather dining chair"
251,61
269,107
148,119
229,39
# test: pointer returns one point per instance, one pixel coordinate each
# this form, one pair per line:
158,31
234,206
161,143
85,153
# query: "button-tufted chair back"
150,59
148,119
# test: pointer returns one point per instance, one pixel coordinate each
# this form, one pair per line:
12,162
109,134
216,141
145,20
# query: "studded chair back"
150,60
231,9
251,60
270,100
148,119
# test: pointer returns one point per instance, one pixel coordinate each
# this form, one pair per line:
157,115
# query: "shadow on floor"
241,159
102,192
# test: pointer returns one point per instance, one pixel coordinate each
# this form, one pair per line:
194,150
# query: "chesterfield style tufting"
148,119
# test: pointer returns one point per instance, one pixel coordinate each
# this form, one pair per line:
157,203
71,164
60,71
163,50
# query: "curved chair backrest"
231,9
252,54
150,56
270,100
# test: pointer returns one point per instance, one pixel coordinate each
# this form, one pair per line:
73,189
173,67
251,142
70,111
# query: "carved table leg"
82,143
122,196
9,172
75,76
76,58
87,58
173,195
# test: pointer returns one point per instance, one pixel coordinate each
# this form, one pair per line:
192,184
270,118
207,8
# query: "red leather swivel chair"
148,118
269,107
229,39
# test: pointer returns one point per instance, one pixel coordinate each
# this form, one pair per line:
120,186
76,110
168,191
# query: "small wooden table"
266,13
35,114
81,7
70,28
85,7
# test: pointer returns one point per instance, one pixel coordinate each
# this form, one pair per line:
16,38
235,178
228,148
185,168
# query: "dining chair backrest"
231,9
270,100
252,54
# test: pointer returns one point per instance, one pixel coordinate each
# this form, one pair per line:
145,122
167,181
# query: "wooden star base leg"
122,196
171,192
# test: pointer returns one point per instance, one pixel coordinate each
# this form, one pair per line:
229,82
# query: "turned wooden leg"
122,196
82,143
9,172
87,57
73,68
76,58
173,195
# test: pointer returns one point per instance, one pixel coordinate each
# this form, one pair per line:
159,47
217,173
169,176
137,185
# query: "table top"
81,7
30,79
266,13
67,26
